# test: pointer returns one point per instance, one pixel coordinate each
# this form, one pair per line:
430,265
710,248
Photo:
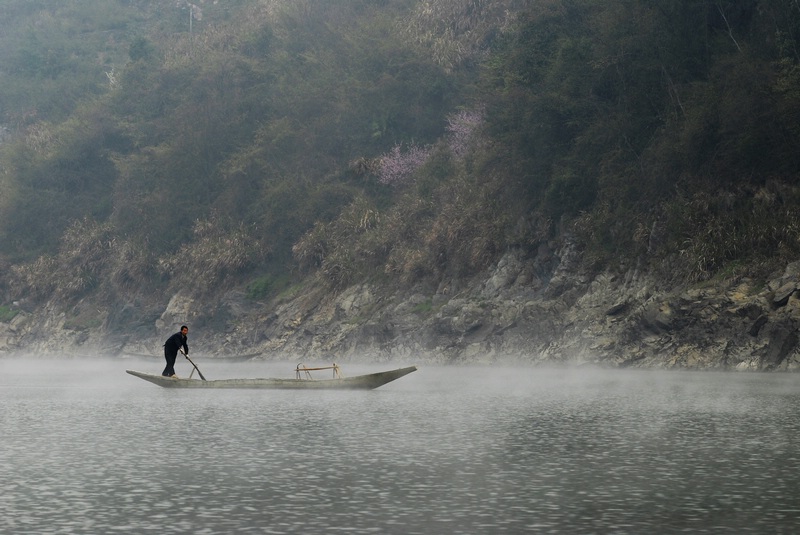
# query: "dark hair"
184,327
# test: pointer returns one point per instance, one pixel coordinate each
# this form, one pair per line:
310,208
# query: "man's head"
184,330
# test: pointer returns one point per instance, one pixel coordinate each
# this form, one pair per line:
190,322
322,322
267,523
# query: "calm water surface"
86,448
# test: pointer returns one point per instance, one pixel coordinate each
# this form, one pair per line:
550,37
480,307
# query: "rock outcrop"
536,310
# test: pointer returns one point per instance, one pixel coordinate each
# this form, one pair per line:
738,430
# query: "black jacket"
175,342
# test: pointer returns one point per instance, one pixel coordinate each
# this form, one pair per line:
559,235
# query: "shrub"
267,285
397,166
7,313
215,254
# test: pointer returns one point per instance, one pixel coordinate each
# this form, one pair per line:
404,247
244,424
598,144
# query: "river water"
86,448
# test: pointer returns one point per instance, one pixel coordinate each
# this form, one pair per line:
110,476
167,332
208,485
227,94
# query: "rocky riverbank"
536,310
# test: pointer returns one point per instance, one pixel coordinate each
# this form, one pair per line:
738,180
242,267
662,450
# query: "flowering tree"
397,166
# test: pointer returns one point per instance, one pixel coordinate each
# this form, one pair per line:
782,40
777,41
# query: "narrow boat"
303,380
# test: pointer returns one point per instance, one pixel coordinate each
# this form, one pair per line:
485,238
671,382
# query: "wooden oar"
193,364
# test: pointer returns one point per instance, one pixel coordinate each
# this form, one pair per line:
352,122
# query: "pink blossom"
397,166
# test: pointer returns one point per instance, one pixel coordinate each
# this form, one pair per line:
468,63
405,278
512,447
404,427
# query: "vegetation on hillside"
149,145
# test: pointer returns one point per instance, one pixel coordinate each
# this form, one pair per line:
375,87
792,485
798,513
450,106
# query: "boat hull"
360,382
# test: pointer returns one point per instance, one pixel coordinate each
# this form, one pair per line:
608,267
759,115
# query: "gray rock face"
535,310
516,312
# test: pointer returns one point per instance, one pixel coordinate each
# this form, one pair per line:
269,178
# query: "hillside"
580,180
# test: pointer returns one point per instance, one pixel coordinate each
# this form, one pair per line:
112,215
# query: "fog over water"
86,448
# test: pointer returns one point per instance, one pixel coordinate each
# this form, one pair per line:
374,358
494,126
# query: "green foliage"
343,249
610,109
267,285
141,49
454,32
713,230
55,54
132,268
60,173
83,319
7,313
220,251
250,143
224,118
423,308
434,171
77,268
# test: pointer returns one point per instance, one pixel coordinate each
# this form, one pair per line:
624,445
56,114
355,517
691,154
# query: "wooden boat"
303,380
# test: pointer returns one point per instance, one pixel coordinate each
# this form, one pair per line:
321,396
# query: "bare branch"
730,31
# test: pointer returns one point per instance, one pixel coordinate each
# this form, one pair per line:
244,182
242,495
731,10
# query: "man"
171,347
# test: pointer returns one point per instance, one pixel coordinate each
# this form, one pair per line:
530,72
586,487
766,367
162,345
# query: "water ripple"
442,451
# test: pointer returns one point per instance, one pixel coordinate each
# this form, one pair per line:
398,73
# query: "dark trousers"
170,357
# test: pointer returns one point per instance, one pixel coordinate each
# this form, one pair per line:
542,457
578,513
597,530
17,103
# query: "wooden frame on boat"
337,374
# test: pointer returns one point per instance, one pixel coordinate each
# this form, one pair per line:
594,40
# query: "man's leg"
170,368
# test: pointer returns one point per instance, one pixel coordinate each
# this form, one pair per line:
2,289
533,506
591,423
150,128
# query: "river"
87,448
